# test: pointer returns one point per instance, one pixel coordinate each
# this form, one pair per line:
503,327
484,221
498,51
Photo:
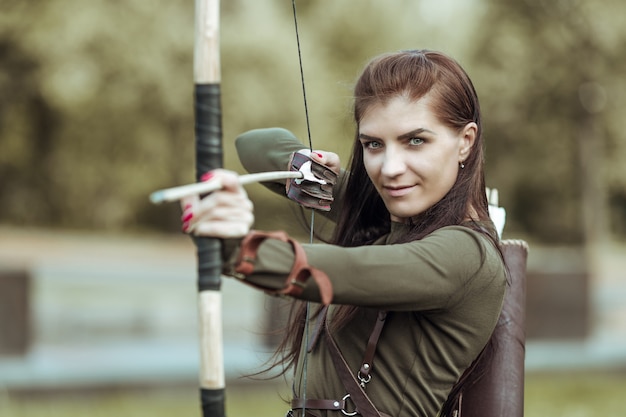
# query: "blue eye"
416,141
372,144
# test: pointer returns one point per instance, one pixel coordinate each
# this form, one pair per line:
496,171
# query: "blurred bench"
558,294
15,320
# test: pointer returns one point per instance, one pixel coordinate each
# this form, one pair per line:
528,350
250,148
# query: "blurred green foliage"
96,100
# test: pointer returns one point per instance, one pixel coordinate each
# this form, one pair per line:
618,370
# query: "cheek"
370,166
450,175
449,164
440,173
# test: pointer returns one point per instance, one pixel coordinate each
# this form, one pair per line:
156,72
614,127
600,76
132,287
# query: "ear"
468,137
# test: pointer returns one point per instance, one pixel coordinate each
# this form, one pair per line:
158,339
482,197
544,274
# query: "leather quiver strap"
356,389
364,405
300,272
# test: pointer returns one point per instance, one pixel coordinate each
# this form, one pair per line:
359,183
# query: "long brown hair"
364,217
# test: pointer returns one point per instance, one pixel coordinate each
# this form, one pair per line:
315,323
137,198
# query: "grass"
575,394
554,395
261,399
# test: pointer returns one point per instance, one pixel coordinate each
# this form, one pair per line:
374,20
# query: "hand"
226,213
330,159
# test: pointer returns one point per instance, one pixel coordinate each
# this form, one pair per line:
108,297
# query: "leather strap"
364,405
312,404
301,271
355,388
370,351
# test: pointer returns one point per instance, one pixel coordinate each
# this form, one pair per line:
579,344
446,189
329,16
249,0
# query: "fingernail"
318,154
185,226
187,217
187,207
206,176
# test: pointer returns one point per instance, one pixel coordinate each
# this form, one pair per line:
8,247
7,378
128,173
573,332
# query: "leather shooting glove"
315,190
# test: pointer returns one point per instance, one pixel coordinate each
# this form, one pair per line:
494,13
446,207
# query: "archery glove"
315,190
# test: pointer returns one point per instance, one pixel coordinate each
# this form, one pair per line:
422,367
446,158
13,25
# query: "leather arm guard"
300,272
315,190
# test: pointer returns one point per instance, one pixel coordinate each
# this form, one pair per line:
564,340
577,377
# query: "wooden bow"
209,156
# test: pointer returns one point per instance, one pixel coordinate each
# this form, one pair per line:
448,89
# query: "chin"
405,213
403,217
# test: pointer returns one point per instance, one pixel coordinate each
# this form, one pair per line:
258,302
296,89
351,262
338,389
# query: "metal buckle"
364,380
343,410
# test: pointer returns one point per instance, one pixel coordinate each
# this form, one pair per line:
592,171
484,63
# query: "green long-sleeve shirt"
445,293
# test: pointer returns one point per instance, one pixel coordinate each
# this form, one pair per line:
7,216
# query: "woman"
413,247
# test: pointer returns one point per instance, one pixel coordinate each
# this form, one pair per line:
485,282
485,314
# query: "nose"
393,163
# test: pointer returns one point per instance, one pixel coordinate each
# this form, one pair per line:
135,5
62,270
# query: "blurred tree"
551,77
100,111
28,135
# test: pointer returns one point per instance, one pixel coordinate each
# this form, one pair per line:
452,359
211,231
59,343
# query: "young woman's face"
411,158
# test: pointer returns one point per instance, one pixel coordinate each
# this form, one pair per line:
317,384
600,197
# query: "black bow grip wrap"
209,156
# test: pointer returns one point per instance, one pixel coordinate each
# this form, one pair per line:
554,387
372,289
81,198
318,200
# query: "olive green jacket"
444,293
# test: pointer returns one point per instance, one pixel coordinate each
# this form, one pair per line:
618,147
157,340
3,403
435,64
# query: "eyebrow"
407,135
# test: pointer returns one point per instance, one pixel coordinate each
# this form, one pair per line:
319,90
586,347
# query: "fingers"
222,220
228,179
226,213
187,206
330,159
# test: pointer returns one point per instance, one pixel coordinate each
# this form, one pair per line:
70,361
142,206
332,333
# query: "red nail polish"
187,207
318,154
206,176
187,217
185,226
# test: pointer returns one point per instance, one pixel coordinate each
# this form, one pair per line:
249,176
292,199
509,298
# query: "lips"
398,191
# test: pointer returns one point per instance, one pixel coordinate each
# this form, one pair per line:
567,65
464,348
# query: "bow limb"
209,156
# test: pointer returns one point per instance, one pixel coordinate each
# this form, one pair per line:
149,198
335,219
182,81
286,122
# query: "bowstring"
312,221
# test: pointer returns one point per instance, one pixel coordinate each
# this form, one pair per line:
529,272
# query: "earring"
461,165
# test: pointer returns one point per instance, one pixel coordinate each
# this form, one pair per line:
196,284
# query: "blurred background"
97,285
